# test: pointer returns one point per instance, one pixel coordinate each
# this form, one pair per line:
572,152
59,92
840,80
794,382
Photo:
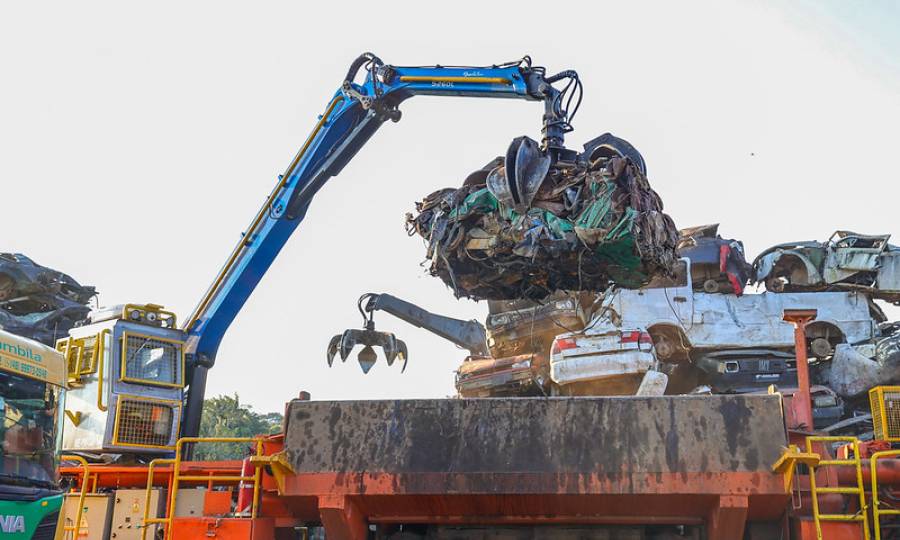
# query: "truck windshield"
30,430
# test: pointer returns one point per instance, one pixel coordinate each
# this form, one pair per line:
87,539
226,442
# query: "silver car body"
703,322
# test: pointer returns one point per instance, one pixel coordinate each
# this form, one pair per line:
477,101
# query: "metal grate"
144,423
152,360
81,356
46,529
885,404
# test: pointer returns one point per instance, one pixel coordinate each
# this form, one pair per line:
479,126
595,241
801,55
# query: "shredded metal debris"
527,232
37,302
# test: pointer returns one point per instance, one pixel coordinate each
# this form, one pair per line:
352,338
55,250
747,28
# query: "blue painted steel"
348,126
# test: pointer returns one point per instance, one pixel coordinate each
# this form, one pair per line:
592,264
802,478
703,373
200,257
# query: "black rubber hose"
360,61
571,74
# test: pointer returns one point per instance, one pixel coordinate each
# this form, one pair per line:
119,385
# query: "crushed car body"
522,232
612,363
520,333
846,261
717,264
738,342
856,368
38,302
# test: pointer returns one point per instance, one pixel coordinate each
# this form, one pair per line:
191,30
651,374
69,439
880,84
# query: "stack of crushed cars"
37,302
519,336
522,228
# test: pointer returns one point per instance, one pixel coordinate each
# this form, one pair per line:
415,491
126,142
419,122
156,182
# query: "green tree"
226,416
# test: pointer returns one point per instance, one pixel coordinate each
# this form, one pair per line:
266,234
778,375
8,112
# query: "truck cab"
126,371
32,398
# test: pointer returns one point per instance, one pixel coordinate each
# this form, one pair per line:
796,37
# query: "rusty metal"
675,460
802,401
846,261
528,228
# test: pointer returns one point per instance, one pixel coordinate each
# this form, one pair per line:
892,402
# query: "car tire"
821,348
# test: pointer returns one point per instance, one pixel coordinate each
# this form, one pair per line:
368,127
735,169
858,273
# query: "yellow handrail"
877,512
177,477
147,495
75,529
100,345
818,517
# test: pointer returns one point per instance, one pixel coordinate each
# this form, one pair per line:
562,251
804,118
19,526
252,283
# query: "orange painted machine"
715,467
673,467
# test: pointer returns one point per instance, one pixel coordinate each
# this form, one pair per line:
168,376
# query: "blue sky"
866,31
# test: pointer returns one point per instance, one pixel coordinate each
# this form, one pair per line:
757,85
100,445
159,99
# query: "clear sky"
138,139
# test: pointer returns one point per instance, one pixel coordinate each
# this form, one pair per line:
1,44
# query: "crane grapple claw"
333,346
344,343
525,168
529,170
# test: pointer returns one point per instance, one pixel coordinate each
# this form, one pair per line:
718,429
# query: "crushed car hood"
37,302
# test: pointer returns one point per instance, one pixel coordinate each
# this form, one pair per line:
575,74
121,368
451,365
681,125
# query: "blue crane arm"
352,116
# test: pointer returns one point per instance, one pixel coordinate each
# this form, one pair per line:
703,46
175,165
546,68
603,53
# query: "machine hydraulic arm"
351,117
469,335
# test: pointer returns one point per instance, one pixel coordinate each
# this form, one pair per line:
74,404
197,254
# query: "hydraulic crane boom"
352,116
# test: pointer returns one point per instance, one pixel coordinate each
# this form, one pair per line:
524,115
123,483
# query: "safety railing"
148,495
79,365
877,511
861,516
75,528
177,478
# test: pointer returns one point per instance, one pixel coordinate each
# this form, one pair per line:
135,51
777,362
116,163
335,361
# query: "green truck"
32,394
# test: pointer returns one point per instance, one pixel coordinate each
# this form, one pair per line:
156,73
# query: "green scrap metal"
590,226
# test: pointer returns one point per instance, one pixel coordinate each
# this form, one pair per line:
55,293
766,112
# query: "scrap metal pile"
37,302
523,228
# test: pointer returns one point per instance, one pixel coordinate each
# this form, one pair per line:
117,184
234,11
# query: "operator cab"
126,373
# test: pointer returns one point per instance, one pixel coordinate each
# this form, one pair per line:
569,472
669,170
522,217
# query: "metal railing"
75,529
177,478
148,494
860,516
877,512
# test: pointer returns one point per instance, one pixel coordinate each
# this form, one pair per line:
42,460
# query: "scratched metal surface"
677,434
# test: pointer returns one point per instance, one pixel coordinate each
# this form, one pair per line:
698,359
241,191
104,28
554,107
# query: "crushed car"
731,343
508,355
846,261
519,336
40,303
523,228
717,264
856,368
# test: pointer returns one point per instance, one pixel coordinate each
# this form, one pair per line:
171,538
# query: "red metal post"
728,519
245,489
801,402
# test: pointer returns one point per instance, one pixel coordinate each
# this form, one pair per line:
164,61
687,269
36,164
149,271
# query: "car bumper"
572,369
